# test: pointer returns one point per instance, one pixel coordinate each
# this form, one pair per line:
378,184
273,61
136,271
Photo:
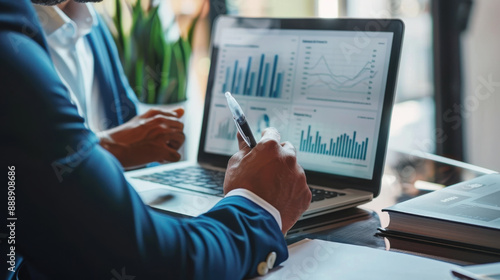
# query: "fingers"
171,136
270,134
143,153
179,111
242,145
288,148
161,120
161,152
170,155
175,113
238,156
174,139
164,155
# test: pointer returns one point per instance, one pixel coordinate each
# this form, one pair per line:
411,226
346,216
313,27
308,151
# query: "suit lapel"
104,73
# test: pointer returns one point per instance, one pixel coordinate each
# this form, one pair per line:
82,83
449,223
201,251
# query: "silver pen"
240,120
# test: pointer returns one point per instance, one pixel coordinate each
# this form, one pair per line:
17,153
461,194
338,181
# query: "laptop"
327,85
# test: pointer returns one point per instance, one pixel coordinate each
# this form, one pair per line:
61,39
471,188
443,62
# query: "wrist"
108,143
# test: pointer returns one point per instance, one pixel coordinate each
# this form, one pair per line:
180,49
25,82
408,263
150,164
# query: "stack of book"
460,223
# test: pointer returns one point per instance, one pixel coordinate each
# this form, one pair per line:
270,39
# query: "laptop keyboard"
194,178
319,194
208,181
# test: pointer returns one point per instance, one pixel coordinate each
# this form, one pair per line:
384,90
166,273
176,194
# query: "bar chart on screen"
342,146
327,72
259,69
222,130
226,129
334,139
267,82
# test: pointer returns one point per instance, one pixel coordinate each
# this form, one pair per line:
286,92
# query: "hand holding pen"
271,172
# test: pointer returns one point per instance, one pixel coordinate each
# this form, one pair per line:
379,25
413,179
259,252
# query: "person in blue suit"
86,59
72,214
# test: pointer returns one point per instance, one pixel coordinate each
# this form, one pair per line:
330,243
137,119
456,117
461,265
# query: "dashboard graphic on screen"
323,91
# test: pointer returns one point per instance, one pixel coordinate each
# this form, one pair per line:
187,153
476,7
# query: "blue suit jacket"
117,95
77,217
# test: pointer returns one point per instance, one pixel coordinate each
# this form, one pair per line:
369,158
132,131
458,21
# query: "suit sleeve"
78,218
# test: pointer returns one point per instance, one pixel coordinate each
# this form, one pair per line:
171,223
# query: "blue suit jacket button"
271,259
262,269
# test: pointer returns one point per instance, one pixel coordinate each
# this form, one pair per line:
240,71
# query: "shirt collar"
56,23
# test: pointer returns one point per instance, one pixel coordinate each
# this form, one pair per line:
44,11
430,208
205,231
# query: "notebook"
327,85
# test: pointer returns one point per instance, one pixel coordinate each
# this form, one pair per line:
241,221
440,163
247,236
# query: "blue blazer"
77,217
119,99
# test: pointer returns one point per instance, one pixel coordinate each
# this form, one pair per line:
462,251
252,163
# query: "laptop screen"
324,90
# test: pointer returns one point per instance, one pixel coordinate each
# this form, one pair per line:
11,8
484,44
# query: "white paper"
318,259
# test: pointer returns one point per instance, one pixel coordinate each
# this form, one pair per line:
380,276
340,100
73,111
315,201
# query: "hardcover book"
465,215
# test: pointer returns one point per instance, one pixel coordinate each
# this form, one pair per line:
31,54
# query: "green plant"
156,68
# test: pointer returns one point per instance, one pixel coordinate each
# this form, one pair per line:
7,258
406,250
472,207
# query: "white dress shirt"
73,57
74,62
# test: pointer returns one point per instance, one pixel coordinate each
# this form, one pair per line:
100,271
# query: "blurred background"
448,91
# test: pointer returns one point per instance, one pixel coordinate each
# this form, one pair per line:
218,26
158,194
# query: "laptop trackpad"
157,196
188,204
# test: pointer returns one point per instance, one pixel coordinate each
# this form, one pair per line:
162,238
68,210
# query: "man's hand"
270,170
153,136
